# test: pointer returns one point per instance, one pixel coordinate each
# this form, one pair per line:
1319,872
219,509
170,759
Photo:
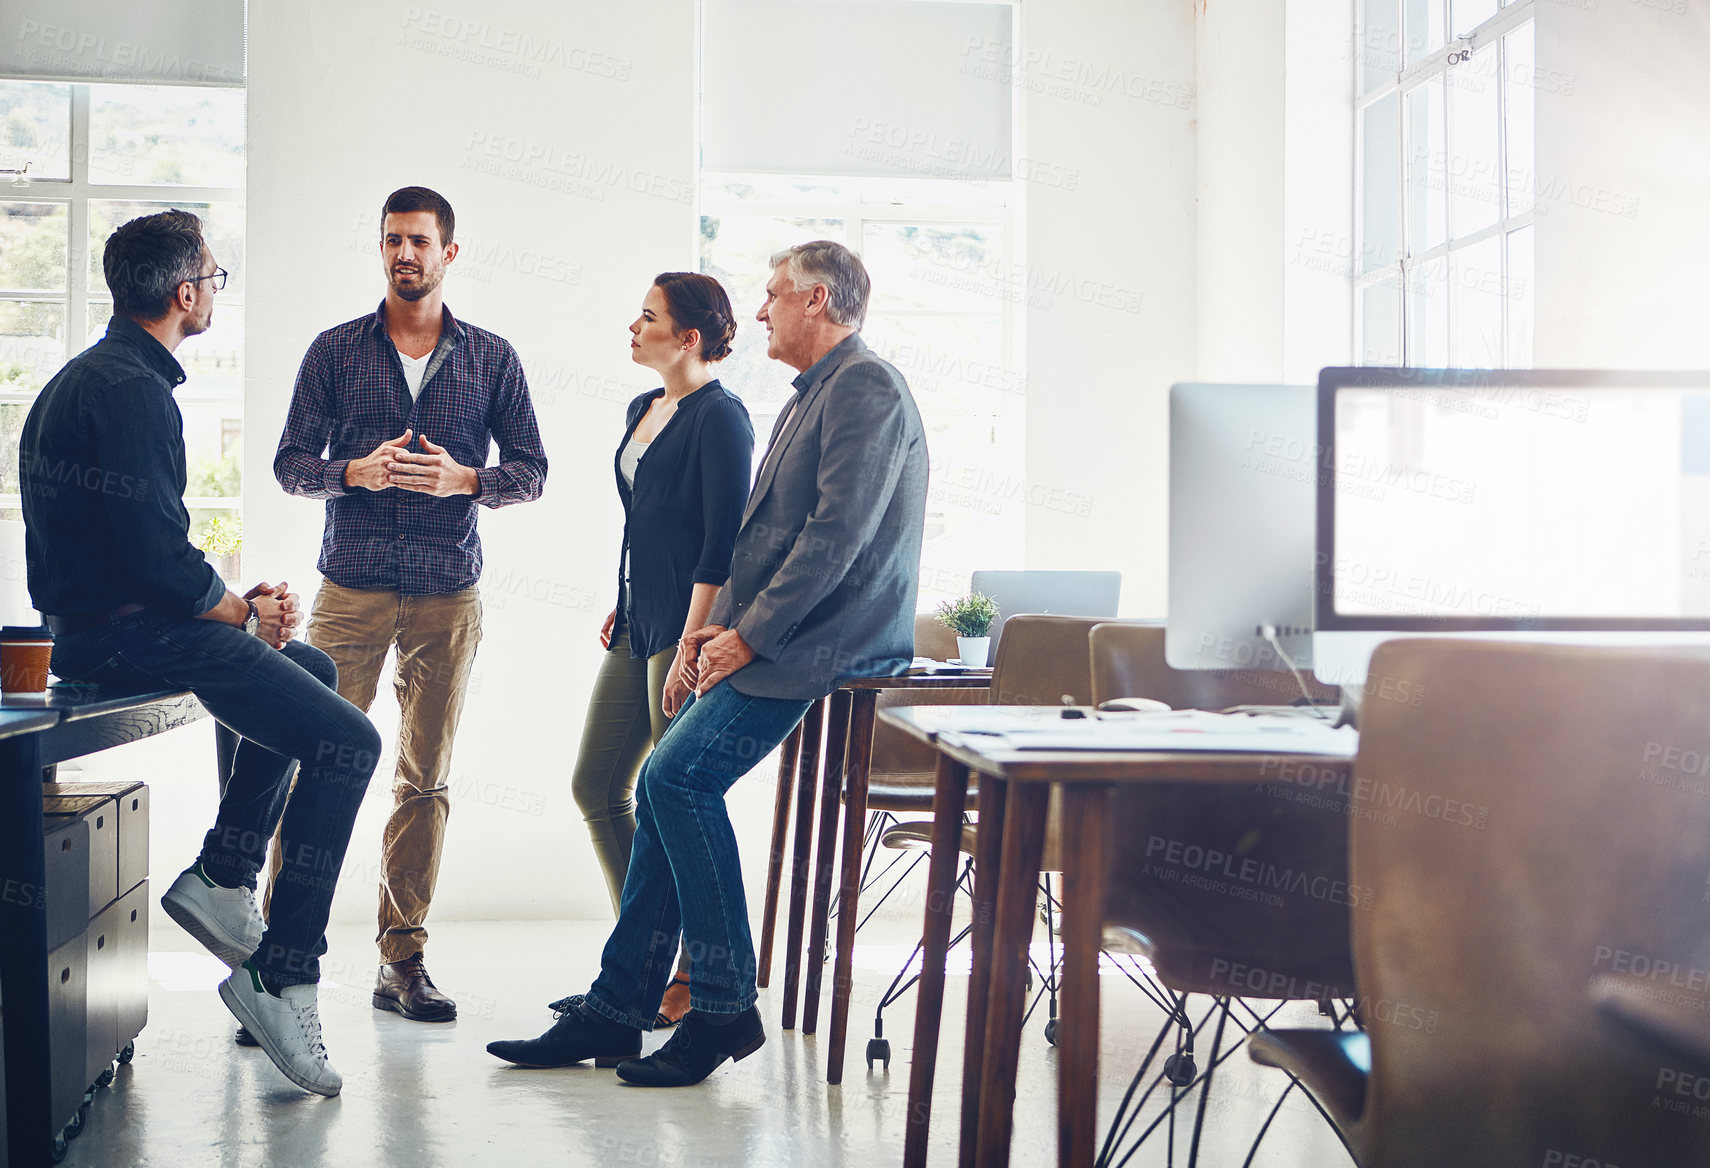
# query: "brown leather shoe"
404,987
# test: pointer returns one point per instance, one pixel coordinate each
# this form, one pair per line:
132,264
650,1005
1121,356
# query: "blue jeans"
684,873
285,711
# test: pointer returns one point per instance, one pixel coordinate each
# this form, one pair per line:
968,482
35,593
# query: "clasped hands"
393,464
276,606
705,657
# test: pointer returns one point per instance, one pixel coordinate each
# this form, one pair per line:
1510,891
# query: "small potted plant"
970,617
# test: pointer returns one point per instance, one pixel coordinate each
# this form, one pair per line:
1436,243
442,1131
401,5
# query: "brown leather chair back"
1128,662
1230,890
1041,658
903,757
1528,817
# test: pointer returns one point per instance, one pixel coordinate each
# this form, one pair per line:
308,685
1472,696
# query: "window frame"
75,194
1404,270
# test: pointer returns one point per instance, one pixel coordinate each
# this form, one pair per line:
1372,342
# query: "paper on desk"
932,665
1180,730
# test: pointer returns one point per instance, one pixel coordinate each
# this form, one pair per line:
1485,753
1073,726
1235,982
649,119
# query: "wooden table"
35,734
1006,875
848,758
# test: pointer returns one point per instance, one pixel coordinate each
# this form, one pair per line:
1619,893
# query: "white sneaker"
225,920
288,1027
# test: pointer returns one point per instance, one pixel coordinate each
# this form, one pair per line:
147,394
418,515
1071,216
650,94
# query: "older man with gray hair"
822,588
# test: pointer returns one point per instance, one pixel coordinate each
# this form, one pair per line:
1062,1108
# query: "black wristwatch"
252,622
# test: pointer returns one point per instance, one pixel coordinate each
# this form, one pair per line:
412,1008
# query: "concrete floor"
425,1095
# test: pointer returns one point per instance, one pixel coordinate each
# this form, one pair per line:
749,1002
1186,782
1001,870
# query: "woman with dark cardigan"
683,472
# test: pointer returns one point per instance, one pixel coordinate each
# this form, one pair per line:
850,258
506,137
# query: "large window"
94,156
1446,184
943,311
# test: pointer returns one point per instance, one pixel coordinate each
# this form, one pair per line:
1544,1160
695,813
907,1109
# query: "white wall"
1623,173
1111,267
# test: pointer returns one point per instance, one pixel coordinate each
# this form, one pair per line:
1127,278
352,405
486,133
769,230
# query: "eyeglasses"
218,276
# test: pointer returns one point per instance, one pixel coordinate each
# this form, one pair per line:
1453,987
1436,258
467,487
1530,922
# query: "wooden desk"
848,756
1006,876
36,734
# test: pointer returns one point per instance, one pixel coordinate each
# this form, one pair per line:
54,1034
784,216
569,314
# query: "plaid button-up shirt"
351,396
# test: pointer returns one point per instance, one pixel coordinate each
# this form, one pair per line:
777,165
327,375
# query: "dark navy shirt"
351,396
101,470
680,518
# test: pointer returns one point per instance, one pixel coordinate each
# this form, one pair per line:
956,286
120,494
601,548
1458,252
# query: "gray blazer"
826,568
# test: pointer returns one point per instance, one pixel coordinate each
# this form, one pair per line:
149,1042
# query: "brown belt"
78,622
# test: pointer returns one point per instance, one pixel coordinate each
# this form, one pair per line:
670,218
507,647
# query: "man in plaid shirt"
391,423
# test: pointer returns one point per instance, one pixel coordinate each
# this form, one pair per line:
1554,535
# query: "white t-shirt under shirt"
414,368
630,459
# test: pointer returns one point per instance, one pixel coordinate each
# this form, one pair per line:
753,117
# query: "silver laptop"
1056,593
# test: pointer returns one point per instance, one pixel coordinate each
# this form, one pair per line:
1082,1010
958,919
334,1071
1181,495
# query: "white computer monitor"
1531,503
1243,499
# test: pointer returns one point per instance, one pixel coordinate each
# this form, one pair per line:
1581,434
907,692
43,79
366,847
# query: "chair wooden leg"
1018,894
775,858
949,793
807,774
1086,820
988,862
863,706
825,853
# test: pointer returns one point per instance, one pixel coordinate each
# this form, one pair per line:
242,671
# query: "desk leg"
807,775
825,852
861,712
1086,820
988,863
1018,898
23,955
775,858
949,795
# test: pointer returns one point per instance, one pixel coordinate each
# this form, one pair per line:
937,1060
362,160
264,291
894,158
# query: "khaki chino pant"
436,638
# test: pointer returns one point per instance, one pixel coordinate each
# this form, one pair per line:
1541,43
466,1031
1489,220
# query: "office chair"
1531,823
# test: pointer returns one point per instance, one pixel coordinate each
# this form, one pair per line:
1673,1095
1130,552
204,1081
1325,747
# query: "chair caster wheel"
75,1127
106,1077
879,1049
1051,1032
1179,1069
126,1055
59,1148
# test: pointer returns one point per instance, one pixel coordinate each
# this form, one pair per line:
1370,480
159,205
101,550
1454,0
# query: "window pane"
213,449
1380,185
1518,76
1469,14
1520,300
942,267
778,188
1478,304
32,345
1380,42
34,240
1425,27
1475,182
953,364
1380,322
222,230
735,250
35,128
1427,157
1428,314
170,135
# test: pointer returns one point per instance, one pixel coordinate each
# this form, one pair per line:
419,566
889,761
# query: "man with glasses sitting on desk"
135,606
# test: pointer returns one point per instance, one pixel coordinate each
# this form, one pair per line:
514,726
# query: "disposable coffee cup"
25,654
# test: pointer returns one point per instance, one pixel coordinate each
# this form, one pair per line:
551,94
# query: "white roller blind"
864,87
146,42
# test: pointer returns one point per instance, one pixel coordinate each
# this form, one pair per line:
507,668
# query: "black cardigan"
680,520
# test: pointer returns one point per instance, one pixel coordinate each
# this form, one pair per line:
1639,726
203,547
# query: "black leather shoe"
577,1035
404,987
244,1038
696,1050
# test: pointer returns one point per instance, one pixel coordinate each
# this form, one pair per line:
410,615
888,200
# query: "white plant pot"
974,650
